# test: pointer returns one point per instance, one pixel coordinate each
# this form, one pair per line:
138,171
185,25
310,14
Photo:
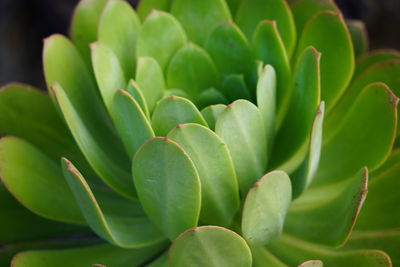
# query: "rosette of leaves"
204,133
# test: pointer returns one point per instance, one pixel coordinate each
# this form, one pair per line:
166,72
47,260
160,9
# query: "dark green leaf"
211,114
234,87
146,6
359,36
374,57
211,97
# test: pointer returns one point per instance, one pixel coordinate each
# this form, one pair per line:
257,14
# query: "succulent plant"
204,133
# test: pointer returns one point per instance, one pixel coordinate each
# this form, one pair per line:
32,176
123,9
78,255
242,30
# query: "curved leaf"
211,96
374,57
312,263
359,36
262,257
234,87
174,110
241,127
198,18
146,6
211,114
128,229
168,186
134,90
219,188
210,246
160,28
265,208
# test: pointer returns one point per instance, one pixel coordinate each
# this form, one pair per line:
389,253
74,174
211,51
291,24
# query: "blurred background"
24,24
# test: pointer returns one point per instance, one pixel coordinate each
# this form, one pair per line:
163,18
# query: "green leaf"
174,110
192,70
269,48
150,79
291,141
36,181
106,255
161,261
234,87
146,6
241,127
131,122
119,28
251,12
265,208
361,126
160,28
84,23
174,92
293,250
235,60
374,57
337,62
118,220
266,101
134,90
168,186
312,263
262,257
211,96
198,18
359,36
233,6
219,188
338,205
211,114
210,246
108,72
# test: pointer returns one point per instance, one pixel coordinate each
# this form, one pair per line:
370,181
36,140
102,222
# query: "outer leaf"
234,87
336,64
312,263
219,188
269,48
134,90
374,109
86,256
160,28
198,18
265,208
251,12
83,29
374,57
132,124
338,204
241,126
290,144
36,181
359,36
262,257
293,250
210,246
85,113
211,114
235,60
128,229
119,28
192,70
168,186
150,79
174,110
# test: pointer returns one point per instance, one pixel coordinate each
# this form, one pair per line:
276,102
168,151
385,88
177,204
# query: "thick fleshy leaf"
374,57
150,79
234,87
83,29
36,181
160,28
211,114
198,18
174,110
339,205
269,48
118,220
359,36
265,208
337,63
210,246
241,127
388,241
119,28
312,263
131,122
291,141
168,186
373,110
192,70
108,72
251,12
219,188
174,92
134,90
233,6
235,60
292,251
211,96
303,176
98,255
266,100
146,6
262,257
304,10
161,261
85,114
